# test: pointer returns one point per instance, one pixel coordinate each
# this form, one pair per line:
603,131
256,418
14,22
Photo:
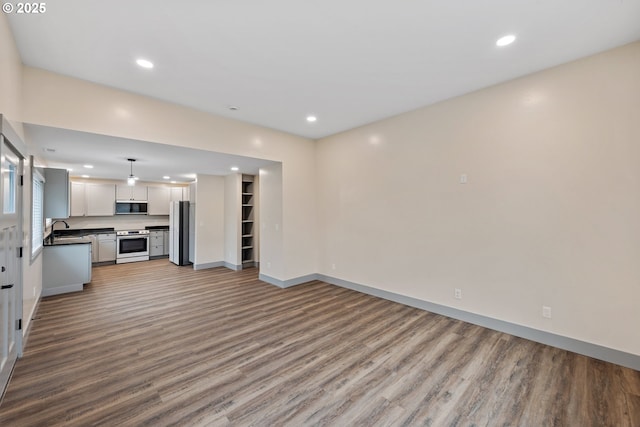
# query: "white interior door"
10,265
8,348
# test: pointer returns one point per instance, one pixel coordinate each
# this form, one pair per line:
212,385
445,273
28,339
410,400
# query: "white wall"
10,78
256,217
210,214
272,261
50,99
232,219
549,216
11,108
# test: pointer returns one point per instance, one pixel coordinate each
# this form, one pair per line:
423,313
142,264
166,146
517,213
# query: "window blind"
37,222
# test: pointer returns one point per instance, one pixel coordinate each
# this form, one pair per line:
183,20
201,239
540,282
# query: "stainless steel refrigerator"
179,233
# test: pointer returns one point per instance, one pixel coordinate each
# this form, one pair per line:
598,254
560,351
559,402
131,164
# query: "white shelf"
246,208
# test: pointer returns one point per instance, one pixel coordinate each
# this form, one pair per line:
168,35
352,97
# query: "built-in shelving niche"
248,211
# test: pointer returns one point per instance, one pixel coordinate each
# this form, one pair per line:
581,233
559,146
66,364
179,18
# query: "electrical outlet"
333,266
463,178
546,312
457,293
268,265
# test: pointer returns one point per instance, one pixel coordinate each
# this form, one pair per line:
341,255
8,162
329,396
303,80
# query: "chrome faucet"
54,223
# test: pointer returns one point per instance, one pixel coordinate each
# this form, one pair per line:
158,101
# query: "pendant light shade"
132,178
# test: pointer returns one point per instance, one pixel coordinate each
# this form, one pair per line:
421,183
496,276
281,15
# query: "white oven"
132,246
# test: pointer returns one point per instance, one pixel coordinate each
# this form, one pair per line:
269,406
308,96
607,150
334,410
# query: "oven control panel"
132,232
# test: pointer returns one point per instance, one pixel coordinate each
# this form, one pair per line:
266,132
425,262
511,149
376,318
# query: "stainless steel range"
132,246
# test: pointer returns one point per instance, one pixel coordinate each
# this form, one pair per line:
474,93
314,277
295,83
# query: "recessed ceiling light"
233,108
85,176
235,168
144,63
166,177
506,40
173,182
311,119
88,166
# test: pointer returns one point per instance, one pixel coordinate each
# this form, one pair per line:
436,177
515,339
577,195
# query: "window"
37,216
9,185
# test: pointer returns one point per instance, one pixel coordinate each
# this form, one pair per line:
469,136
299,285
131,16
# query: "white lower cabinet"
166,242
156,243
65,267
94,246
106,247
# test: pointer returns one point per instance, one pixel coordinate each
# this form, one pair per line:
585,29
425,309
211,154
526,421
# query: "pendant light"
132,178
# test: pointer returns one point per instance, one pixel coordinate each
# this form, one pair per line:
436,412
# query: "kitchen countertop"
67,241
71,236
66,233
71,232
157,227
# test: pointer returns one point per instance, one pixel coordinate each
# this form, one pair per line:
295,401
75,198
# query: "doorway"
11,164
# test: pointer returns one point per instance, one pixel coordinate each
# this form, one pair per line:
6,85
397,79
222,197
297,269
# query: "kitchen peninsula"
66,266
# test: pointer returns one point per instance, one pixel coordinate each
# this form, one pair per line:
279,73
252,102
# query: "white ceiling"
68,149
348,62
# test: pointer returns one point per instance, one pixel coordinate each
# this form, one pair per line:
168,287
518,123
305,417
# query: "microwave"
128,207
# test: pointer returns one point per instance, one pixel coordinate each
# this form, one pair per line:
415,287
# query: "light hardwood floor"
154,344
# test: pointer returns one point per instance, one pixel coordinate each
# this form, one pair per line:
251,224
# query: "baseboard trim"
62,290
596,351
233,267
29,324
287,283
209,265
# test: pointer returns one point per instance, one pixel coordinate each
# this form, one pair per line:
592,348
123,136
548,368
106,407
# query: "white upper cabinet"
134,192
161,197
78,199
139,193
176,194
123,192
158,200
101,199
89,199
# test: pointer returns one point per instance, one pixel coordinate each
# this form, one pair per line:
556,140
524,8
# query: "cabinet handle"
3,269
6,287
